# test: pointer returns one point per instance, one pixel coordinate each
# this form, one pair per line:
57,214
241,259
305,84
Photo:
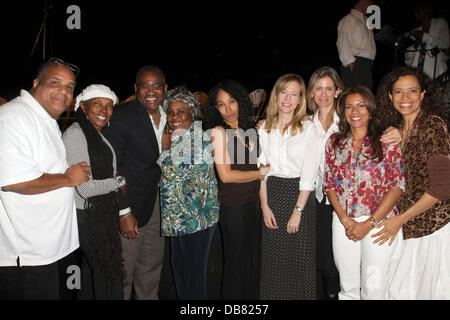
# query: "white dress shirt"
438,35
324,136
291,156
159,130
355,39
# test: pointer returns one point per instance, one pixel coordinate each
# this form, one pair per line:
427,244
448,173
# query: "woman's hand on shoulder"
166,138
260,124
391,136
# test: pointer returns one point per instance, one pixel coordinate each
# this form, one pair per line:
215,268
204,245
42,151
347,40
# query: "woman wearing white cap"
96,200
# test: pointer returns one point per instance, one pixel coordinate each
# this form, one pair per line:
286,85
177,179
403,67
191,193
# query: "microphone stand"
396,47
434,53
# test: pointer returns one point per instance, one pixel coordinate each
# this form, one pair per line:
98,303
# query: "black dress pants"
360,75
47,282
241,236
327,274
189,257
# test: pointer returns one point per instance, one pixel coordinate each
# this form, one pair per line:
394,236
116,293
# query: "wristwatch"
298,208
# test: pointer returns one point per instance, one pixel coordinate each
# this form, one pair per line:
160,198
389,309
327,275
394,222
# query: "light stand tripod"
47,10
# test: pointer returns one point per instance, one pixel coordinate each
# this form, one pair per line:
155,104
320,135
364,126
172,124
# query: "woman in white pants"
413,103
363,180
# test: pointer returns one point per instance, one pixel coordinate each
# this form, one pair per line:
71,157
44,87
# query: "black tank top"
243,158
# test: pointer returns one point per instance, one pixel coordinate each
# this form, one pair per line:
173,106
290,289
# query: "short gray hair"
184,95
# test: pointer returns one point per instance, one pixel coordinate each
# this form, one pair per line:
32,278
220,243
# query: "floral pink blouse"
359,181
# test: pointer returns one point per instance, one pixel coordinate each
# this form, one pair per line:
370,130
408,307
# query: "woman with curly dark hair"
235,147
411,102
363,181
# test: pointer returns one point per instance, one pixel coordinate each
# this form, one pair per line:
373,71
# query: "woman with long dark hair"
363,180
96,200
235,147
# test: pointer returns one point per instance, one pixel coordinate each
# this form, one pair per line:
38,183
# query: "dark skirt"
288,261
241,237
95,284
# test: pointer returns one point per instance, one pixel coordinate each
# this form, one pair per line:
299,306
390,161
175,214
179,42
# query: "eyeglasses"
72,67
152,85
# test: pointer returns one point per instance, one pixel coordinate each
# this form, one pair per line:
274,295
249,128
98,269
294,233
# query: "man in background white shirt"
356,46
432,33
38,225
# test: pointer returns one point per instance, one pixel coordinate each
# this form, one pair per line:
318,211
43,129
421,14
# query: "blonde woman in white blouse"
291,147
324,87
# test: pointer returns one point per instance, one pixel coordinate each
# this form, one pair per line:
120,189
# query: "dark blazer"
132,136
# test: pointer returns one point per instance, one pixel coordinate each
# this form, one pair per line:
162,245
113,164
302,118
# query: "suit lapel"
143,118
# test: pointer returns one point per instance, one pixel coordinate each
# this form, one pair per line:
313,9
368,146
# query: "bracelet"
124,211
124,216
373,222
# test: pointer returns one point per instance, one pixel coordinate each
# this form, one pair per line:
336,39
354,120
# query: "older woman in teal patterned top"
189,200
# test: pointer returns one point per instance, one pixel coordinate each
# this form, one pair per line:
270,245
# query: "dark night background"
195,43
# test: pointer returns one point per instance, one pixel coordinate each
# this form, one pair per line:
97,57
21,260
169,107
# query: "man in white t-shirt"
38,226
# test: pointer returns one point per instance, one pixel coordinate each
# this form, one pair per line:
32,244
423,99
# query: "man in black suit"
135,133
